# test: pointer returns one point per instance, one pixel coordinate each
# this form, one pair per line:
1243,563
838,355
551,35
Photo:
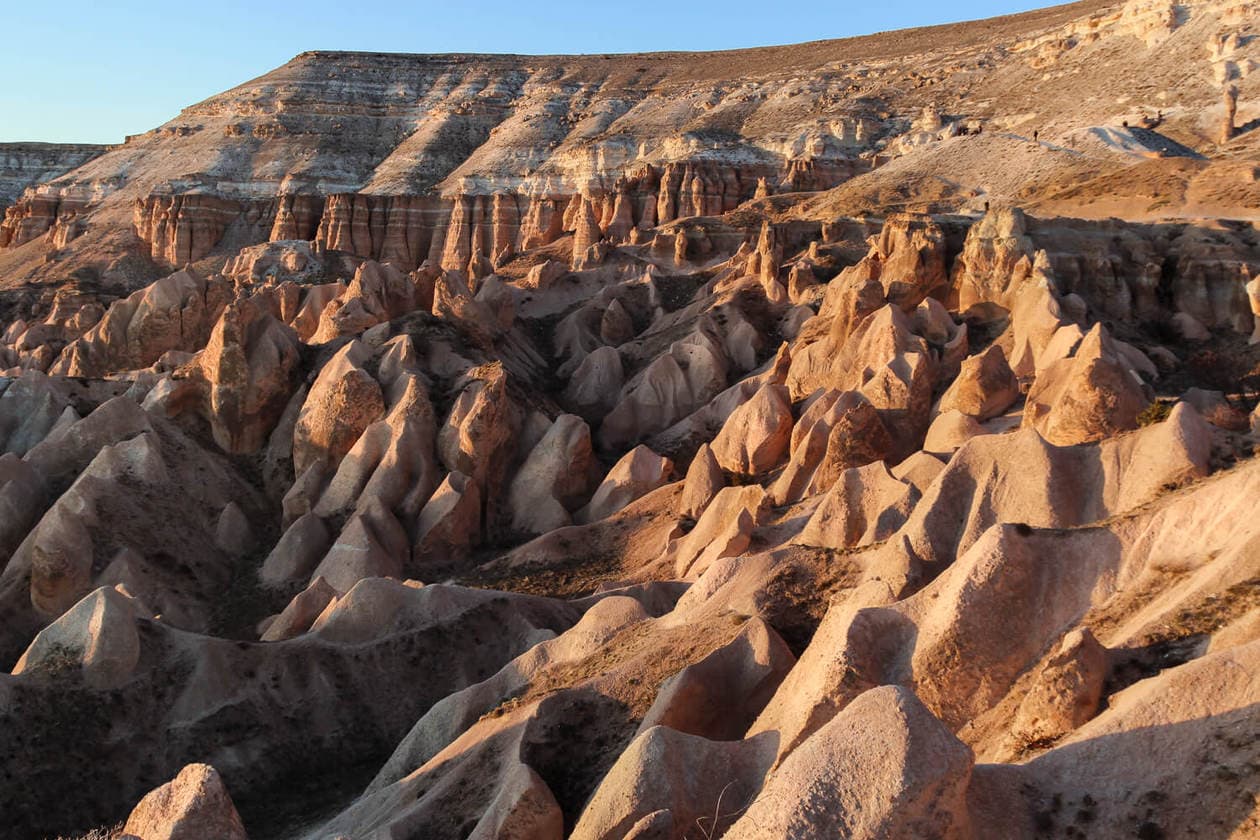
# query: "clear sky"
95,70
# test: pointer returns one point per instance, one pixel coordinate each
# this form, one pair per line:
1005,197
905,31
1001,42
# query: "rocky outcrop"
450,523
995,263
837,430
984,388
195,804
864,505
244,376
910,252
1089,396
25,164
174,313
182,229
639,472
477,438
756,435
31,407
99,636
914,784
674,385
703,481
724,529
344,401
34,215
555,479
470,312
666,781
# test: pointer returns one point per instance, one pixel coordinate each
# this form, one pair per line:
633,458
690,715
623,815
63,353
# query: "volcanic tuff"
851,438
24,164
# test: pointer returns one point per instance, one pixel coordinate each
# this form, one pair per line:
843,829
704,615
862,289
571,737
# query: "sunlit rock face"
846,439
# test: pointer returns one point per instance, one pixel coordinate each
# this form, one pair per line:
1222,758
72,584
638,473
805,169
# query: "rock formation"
844,439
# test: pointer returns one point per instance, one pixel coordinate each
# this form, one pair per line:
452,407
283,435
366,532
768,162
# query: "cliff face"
412,157
23,164
650,445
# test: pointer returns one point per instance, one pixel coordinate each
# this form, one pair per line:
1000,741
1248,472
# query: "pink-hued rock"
195,805
721,695
99,633
344,401
595,384
950,430
245,374
984,388
450,522
837,430
884,767
668,783
756,435
1092,395
639,472
674,385
723,530
301,612
865,505
555,479
372,544
703,481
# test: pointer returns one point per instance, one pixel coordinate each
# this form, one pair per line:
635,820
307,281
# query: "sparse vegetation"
1156,412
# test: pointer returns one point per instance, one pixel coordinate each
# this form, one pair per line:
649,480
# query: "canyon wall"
23,164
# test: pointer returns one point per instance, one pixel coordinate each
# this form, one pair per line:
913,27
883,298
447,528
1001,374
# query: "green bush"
1156,412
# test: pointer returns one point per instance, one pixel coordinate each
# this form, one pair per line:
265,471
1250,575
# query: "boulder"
555,479
910,251
985,387
1092,395
703,481
639,472
616,327
883,767
195,805
344,400
995,263
98,634
477,435
756,435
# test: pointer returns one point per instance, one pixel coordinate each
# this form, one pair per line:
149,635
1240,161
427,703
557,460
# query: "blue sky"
96,70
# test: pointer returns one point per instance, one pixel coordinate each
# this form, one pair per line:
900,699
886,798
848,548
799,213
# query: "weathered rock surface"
194,804
914,783
843,438
639,472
